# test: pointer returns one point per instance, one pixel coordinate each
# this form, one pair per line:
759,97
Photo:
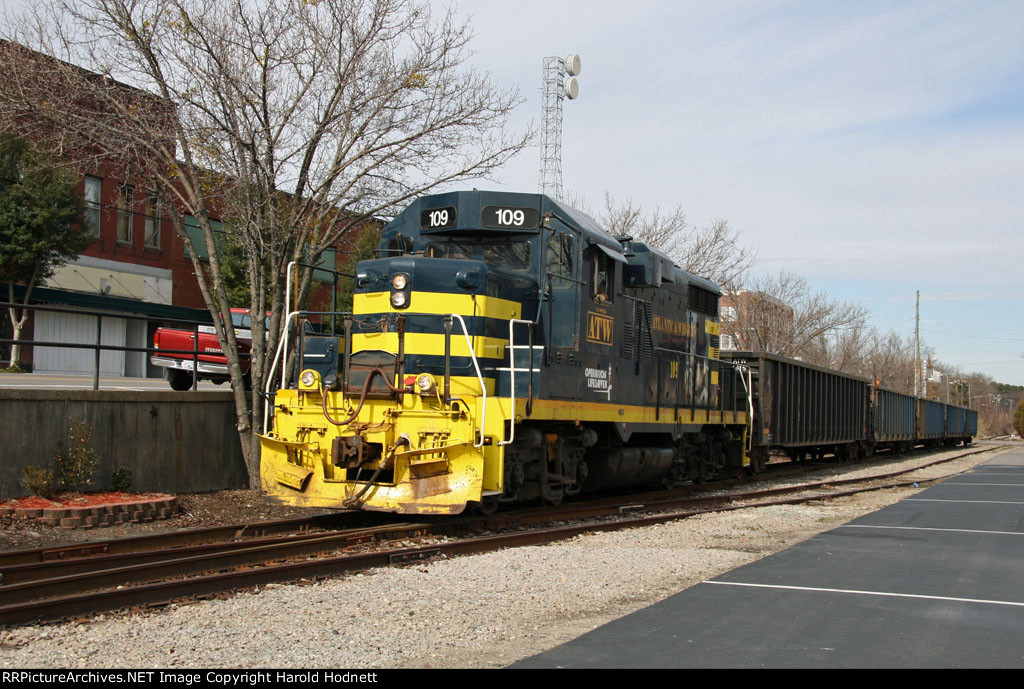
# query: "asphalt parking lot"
930,582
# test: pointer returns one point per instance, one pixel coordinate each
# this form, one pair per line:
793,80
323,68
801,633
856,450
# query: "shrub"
38,481
121,479
76,462
1018,418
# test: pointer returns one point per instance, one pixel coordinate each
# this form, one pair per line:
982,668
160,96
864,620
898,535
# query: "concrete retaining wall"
173,442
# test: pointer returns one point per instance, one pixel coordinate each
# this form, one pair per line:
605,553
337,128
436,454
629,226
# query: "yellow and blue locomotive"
503,348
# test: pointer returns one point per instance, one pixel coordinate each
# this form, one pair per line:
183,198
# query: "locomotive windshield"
510,255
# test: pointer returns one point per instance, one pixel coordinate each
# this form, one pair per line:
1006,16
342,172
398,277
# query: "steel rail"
171,539
53,569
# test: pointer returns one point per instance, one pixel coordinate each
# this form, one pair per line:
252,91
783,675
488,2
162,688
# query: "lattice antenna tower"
559,80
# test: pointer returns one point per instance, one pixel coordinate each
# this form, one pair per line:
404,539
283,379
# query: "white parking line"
975,483
982,502
886,594
929,528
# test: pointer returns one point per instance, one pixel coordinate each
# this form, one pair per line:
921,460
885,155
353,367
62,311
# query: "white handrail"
268,421
282,348
512,374
479,376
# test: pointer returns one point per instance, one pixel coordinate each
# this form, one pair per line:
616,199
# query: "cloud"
847,141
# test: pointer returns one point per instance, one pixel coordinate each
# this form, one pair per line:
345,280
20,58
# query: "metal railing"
99,347
282,354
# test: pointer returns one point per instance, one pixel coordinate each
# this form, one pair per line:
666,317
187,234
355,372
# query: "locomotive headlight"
399,281
399,299
425,384
309,379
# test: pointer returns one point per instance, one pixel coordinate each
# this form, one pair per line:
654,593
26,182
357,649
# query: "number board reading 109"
510,218
438,218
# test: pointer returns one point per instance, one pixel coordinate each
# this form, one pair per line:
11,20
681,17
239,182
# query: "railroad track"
53,583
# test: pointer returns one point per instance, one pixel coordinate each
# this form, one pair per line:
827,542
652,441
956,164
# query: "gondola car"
809,411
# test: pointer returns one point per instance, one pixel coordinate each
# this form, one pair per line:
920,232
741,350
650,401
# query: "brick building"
136,265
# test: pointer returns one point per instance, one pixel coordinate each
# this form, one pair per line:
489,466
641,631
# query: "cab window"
603,282
510,255
501,254
559,260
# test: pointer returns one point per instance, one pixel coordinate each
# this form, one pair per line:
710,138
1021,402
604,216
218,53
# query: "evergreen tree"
40,223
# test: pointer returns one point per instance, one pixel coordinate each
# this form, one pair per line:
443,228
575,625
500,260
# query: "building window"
152,220
93,197
125,208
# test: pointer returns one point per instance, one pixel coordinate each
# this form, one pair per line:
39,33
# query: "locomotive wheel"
484,508
553,500
713,461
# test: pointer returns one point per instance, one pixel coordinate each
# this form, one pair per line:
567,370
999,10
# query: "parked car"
207,360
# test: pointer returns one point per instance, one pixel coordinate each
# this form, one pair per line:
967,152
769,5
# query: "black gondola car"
804,409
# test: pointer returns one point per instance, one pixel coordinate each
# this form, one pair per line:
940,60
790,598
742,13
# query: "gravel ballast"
484,610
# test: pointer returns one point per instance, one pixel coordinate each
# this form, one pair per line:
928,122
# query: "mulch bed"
89,510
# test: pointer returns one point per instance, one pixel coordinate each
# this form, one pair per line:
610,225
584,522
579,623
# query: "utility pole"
917,343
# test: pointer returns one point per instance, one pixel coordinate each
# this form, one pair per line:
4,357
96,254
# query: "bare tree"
890,362
781,314
712,251
298,120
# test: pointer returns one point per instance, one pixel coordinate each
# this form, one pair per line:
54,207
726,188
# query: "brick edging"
91,516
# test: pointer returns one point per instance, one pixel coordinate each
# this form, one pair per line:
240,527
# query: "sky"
873,147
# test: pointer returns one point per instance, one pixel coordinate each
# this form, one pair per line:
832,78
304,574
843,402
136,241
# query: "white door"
79,328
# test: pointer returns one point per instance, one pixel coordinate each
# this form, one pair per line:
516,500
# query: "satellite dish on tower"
573,65
572,87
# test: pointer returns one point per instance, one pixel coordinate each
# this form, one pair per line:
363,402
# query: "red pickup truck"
210,362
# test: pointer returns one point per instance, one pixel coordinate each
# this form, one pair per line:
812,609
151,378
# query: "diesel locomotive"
504,347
